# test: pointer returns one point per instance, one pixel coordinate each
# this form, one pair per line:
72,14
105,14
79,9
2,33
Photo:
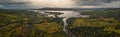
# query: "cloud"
37,3
113,4
60,3
99,4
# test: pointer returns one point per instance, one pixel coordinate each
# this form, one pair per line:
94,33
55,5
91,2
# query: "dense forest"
23,23
101,23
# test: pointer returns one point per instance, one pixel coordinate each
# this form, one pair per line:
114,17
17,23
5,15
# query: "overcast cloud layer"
60,3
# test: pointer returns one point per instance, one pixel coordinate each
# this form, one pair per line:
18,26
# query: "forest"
23,23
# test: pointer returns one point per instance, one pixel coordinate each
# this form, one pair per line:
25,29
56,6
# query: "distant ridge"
69,9
74,9
65,9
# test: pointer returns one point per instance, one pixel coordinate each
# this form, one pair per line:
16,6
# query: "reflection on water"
62,14
65,13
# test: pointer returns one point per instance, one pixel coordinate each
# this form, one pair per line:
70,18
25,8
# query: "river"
65,15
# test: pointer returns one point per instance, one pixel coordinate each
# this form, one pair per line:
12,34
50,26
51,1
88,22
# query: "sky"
60,3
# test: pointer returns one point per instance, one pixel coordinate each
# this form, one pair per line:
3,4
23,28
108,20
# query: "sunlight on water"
65,15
